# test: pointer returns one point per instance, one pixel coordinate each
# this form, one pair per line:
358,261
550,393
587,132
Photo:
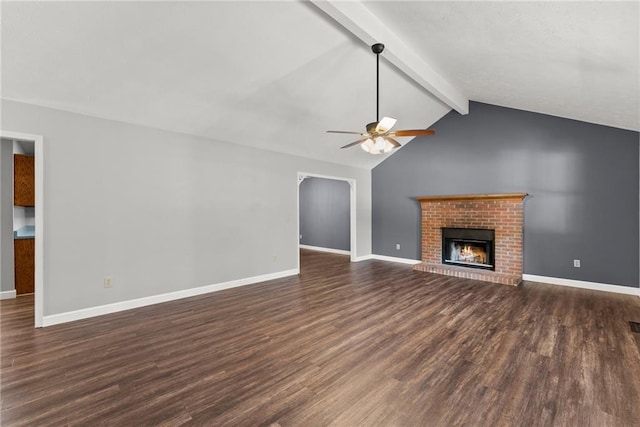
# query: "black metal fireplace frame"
470,235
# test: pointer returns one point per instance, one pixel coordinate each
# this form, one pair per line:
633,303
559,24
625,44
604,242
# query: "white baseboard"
582,284
363,258
388,259
85,313
321,249
8,294
395,259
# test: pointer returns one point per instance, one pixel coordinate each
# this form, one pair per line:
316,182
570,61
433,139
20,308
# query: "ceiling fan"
378,138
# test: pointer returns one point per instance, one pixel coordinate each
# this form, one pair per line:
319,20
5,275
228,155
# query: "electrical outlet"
301,237
576,263
107,282
397,246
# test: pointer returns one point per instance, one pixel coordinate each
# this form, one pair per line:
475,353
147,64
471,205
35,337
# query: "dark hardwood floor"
369,343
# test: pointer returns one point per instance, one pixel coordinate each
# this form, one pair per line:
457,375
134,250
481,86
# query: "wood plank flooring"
343,344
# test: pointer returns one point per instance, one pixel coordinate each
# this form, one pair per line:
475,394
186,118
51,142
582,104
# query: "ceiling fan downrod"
378,137
377,48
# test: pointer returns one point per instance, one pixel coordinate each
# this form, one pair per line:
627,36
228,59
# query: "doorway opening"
29,220
326,214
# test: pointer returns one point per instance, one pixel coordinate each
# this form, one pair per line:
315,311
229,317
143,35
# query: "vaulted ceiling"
277,75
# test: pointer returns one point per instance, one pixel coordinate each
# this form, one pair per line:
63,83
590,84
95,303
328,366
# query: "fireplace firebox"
468,247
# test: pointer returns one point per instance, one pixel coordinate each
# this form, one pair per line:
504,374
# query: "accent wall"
6,217
324,213
582,180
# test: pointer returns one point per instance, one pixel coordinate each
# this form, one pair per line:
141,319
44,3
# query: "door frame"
352,211
38,141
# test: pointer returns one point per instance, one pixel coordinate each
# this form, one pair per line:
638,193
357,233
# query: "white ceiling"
276,75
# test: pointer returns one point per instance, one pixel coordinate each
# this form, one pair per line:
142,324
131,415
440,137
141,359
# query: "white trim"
395,259
364,258
7,294
300,179
582,284
38,140
100,310
353,223
321,249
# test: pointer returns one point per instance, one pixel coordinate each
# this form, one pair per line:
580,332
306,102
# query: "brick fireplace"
502,213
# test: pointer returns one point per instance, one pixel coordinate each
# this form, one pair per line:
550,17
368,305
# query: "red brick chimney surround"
500,212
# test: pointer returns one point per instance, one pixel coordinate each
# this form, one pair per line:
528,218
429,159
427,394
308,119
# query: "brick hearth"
499,212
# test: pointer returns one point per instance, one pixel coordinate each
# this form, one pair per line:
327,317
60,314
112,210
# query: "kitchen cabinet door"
24,187
25,267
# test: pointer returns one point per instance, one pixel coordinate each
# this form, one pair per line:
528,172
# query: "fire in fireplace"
468,247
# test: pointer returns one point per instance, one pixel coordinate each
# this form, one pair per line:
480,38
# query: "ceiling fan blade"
413,132
360,141
393,142
346,131
385,125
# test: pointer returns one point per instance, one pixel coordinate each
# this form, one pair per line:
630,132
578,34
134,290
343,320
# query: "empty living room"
320,213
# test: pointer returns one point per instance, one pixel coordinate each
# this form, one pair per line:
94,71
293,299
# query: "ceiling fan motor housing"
379,138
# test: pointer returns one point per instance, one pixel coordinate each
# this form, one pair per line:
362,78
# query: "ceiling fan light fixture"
370,147
377,145
367,145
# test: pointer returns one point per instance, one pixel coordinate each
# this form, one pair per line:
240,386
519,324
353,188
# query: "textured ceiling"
573,59
276,75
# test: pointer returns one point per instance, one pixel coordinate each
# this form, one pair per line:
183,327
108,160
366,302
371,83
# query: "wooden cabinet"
24,251
24,183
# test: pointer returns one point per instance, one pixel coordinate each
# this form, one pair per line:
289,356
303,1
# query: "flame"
468,253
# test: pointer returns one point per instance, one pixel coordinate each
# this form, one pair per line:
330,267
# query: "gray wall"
324,213
162,211
6,216
582,179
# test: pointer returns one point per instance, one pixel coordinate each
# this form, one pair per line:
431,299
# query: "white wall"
161,211
23,216
18,148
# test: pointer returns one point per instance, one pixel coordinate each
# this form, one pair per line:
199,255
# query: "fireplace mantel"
455,197
502,212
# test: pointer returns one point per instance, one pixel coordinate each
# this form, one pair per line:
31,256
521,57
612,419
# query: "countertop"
26,232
